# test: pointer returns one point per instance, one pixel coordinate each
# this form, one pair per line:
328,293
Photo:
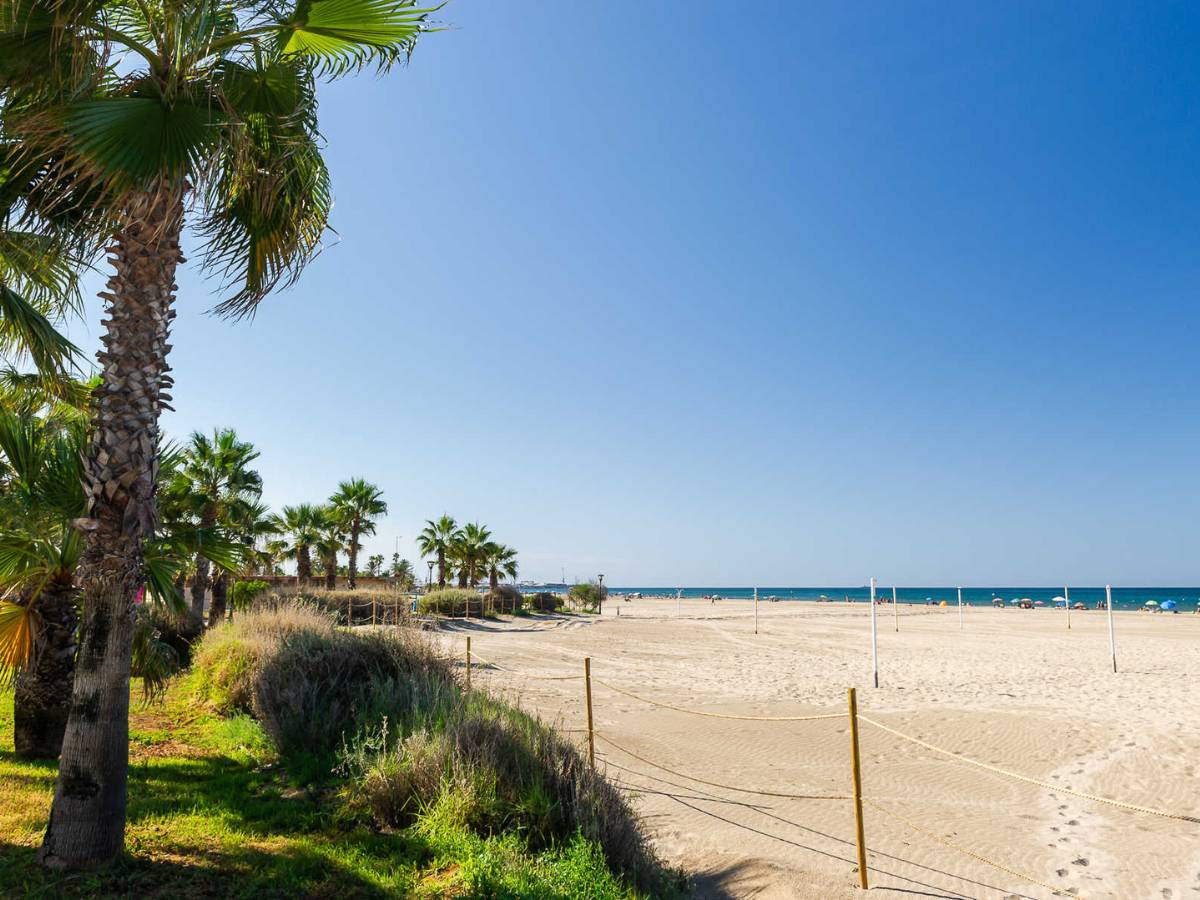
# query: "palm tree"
498,560
435,540
117,117
332,534
467,552
216,481
303,525
249,523
402,571
272,555
360,503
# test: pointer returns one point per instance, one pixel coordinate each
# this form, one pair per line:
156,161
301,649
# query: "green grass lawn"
211,814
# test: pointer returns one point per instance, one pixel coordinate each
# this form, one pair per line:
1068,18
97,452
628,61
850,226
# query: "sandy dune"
1014,689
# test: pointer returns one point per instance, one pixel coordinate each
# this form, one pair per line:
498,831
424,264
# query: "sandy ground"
1014,689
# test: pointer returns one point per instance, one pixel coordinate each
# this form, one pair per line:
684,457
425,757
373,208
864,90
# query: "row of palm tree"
318,533
468,549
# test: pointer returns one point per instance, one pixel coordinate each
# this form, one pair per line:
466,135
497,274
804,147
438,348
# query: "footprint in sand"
1079,862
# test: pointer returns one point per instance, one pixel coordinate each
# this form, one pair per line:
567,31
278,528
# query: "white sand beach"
1014,689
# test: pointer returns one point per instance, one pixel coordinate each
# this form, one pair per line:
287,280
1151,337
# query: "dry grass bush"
350,607
315,688
452,602
226,662
494,769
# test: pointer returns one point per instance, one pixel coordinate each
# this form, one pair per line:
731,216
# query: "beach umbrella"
1039,602
1015,600
1168,604
1062,600
1151,603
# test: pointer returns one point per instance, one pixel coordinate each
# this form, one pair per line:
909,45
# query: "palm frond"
154,660
24,328
18,626
343,36
129,142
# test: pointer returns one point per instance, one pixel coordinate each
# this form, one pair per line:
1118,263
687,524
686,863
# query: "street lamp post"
600,583
429,580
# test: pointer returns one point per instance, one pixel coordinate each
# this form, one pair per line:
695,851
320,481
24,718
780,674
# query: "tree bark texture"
42,693
87,818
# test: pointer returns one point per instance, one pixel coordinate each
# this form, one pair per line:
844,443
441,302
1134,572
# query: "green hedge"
451,602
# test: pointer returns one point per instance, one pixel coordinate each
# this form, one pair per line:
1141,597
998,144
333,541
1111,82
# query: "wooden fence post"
587,682
856,772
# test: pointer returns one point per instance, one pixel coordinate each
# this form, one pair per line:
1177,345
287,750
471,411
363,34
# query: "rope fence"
717,784
713,715
946,842
1058,789
852,717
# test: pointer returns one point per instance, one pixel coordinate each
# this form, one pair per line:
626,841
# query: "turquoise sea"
1186,598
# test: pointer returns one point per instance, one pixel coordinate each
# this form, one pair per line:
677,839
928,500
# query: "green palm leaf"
341,36
134,140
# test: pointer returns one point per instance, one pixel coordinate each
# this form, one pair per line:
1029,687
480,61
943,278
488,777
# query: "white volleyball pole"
1067,597
874,637
678,594
960,624
1112,641
895,608
756,610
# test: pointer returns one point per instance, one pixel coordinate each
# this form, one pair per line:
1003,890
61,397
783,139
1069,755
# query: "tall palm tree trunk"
303,565
331,571
87,818
42,694
220,598
352,569
441,568
200,581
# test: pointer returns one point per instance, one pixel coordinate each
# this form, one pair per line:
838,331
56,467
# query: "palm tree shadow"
245,872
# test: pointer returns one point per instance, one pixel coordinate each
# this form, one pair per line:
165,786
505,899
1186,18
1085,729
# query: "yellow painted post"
856,771
587,682
468,662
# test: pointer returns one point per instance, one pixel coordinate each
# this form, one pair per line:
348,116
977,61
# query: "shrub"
452,602
585,596
319,687
243,593
227,659
544,601
505,599
492,768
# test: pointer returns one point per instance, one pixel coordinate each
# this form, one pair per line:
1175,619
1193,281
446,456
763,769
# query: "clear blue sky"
776,293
